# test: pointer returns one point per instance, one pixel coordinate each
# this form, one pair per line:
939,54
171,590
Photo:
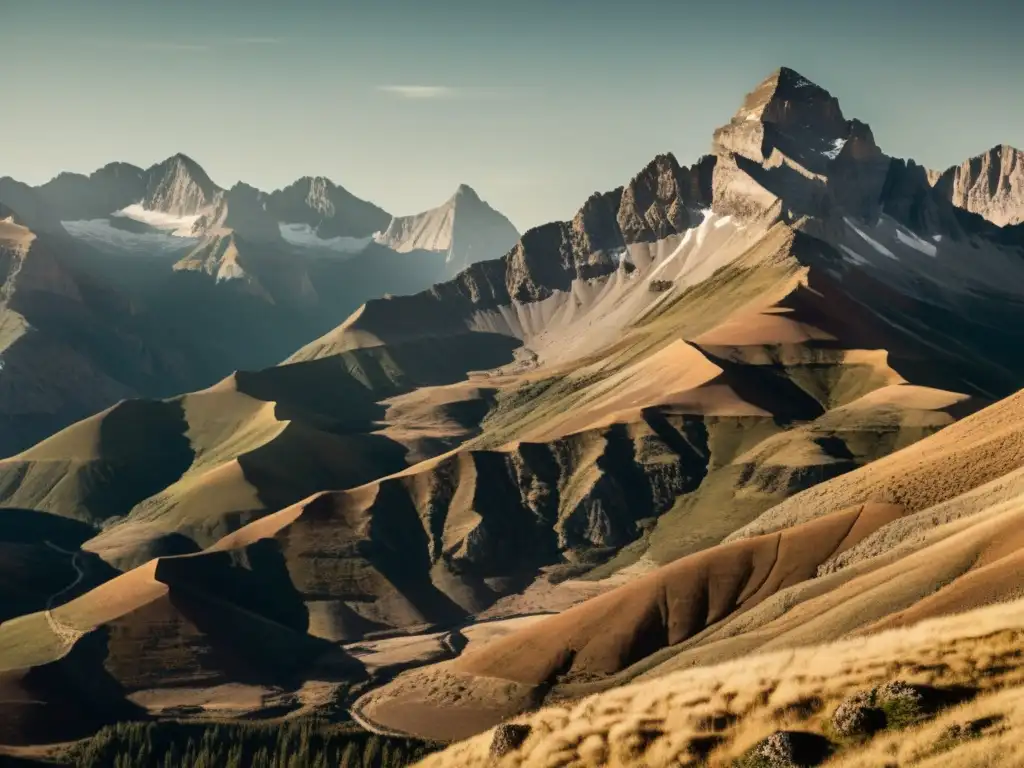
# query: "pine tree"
234,759
351,757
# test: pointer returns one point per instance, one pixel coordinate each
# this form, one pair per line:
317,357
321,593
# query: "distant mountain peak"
179,186
465,191
181,159
116,169
464,227
329,209
316,181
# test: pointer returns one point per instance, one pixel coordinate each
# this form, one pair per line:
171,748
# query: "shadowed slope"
175,622
609,633
41,563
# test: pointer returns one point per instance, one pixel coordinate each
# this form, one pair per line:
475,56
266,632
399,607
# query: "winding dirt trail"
67,634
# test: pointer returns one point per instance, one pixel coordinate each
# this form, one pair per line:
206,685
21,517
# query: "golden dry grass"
730,707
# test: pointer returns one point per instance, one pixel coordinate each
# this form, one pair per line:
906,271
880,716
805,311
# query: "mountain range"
756,403
131,282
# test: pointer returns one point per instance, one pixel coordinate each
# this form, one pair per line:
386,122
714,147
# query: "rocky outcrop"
990,185
664,199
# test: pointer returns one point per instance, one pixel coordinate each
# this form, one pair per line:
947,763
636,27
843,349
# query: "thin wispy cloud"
419,91
184,45
254,41
146,45
433,92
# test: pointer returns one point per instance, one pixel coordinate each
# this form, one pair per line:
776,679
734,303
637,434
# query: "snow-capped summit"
464,227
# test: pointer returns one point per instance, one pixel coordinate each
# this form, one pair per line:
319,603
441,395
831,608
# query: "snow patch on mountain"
854,257
305,237
178,226
869,240
833,152
709,221
99,232
907,237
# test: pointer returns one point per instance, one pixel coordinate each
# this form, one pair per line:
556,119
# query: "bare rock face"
664,199
179,186
990,185
542,262
789,146
786,112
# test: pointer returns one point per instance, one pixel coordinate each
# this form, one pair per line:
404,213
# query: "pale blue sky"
535,104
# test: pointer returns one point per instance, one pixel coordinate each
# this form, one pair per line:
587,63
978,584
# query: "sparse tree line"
289,745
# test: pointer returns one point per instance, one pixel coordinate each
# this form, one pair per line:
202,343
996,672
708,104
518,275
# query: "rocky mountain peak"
663,200
990,185
790,148
179,186
318,194
464,227
789,113
465,193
